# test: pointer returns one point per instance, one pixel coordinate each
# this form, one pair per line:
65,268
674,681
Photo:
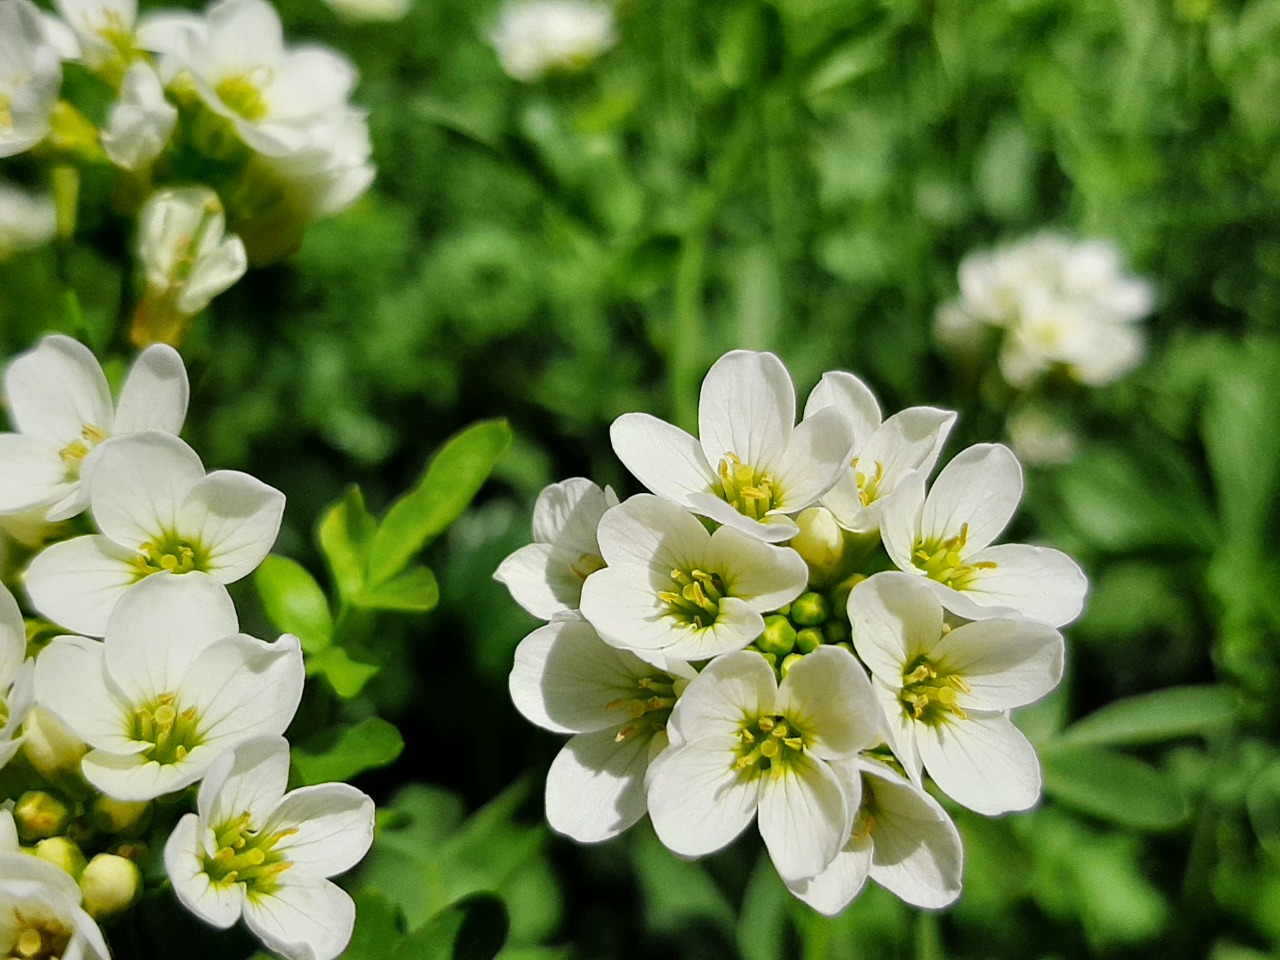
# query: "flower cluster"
795,626
150,688
536,37
1057,304
213,121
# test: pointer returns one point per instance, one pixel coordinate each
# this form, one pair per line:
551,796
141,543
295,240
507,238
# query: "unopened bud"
39,814
836,631
52,749
109,884
779,635
808,639
120,817
810,609
790,661
63,853
820,542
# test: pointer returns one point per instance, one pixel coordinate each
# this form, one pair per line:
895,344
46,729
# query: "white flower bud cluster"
1057,304
795,627
153,688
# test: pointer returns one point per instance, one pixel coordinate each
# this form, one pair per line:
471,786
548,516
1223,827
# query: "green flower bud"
820,542
808,639
62,853
836,631
810,609
120,817
39,814
770,658
779,635
110,884
791,660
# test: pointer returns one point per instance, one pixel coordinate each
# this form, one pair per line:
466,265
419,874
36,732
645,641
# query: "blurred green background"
801,176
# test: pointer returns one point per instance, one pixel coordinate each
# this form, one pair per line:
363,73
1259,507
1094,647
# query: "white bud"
109,884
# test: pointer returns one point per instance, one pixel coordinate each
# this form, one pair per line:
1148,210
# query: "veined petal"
663,457
764,576
980,487
747,407
34,474
736,625
804,817
71,682
135,777
730,689
235,519
333,824
77,583
851,398
568,513
217,903
155,393
901,518
543,579
595,787
626,611
1039,582
816,456
827,697
836,887
911,439
698,801
57,389
13,638
983,763
250,778
899,731
139,483
775,528
1006,663
894,618
649,532
305,918
243,687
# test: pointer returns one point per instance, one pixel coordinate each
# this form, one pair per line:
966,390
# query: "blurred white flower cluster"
536,37
151,688
1057,304
794,627
213,121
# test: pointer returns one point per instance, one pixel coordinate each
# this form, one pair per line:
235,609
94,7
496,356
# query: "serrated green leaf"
414,591
1153,717
450,482
294,601
343,752
345,534
1114,787
346,676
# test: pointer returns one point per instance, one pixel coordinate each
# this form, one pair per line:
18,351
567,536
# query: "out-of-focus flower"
30,77
255,851
104,33
141,121
27,220
16,690
535,37
1040,440
60,404
159,513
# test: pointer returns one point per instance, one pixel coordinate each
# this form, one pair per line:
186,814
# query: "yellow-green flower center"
768,744
170,553
37,938
73,453
695,597
750,491
649,709
943,560
172,732
868,486
242,93
929,693
247,856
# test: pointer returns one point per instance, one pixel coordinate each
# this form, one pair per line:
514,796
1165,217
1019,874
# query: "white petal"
33,475
542,579
698,801
899,730
334,824
160,627
775,528
917,851
77,583
71,682
654,534
217,903
804,817
57,389
730,689
827,697
626,611
138,484
851,398
835,887
134,777
894,618
570,511
155,393
235,519
816,455
306,918
595,787
736,625
765,576
983,763
243,687
980,487
13,639
909,440
1006,663
251,778
1039,582
901,518
664,458
747,407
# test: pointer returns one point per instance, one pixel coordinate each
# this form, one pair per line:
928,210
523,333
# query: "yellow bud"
120,817
109,884
53,750
821,543
63,853
39,814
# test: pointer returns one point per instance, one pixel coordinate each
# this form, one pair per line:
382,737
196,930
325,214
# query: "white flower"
60,405
946,691
30,77
253,850
40,912
332,171
566,679
27,220
766,468
158,511
188,257
671,587
533,37
1039,439
883,452
546,576
945,538
172,686
902,839
141,121
16,689
742,742
103,31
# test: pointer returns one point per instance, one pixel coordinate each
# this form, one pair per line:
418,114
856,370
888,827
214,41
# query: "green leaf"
1154,717
294,601
1113,787
346,676
345,535
414,591
449,484
343,752
1263,803
676,892
377,927
474,928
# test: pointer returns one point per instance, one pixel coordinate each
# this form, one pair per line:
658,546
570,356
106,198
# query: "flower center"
943,560
768,744
73,453
169,553
247,856
750,491
868,486
38,938
242,93
696,597
172,733
928,694
650,709
6,116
